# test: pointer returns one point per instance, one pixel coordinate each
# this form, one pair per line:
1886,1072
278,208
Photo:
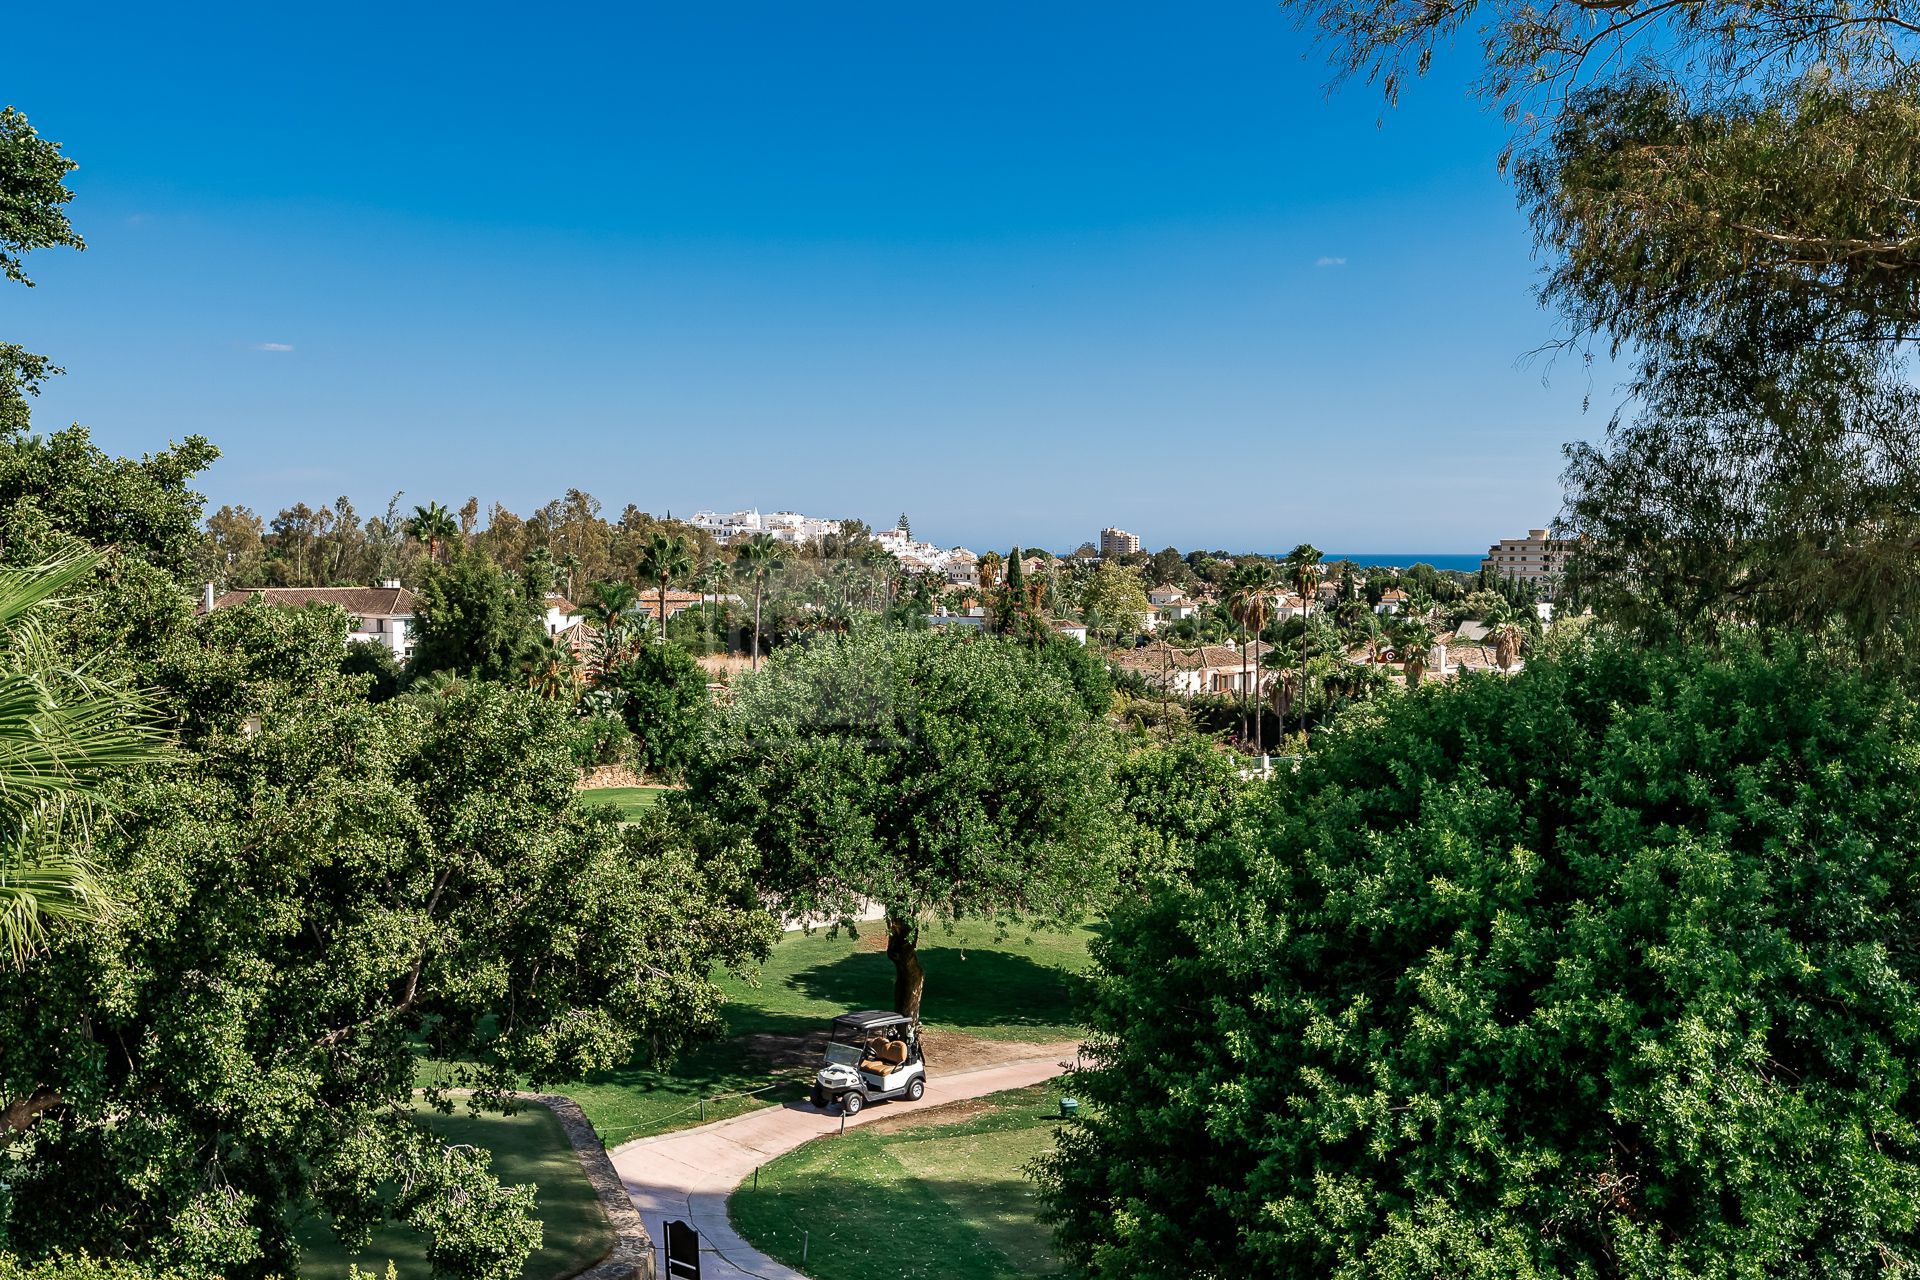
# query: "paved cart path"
689,1174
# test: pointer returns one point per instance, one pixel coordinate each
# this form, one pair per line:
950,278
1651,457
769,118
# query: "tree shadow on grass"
966,987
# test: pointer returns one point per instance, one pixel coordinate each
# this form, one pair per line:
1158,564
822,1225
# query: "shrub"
1604,970
666,704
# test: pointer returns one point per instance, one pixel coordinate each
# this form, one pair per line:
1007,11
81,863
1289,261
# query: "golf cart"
872,1056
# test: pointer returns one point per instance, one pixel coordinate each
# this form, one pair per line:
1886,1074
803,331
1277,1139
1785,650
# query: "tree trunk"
663,611
909,979
756,626
1303,679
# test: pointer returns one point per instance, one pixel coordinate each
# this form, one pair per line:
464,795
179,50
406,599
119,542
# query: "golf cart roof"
867,1019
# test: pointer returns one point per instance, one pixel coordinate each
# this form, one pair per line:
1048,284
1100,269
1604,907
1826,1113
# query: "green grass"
529,1146
1012,987
937,1200
629,800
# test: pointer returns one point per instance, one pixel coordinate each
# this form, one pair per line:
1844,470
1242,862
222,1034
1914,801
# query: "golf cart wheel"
851,1103
819,1097
917,1089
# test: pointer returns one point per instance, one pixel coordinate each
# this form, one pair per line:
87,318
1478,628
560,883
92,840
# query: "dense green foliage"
318,884
940,776
1603,970
664,699
475,619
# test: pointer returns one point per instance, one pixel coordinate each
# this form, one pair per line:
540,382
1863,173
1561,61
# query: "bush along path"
690,1174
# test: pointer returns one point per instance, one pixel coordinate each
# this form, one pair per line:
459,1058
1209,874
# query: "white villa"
375,615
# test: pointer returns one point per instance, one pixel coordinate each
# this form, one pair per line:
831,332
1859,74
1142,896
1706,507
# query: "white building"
562,615
957,564
783,526
380,615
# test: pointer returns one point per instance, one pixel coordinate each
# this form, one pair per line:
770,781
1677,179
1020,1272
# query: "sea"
1463,562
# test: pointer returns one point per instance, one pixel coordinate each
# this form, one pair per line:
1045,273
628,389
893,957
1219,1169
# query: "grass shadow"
968,988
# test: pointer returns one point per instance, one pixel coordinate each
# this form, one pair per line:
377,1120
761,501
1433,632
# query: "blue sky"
1019,270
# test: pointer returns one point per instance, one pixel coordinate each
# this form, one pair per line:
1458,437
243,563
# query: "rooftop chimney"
206,598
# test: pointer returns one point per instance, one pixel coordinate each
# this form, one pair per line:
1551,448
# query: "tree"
33,199
318,890
666,704
433,525
1509,638
64,734
713,575
1250,602
474,620
1413,640
1114,603
607,609
759,557
1567,975
1724,194
941,777
1304,572
664,559
551,669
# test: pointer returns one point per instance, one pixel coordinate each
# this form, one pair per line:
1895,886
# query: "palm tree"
571,563
712,575
1509,638
760,556
663,558
550,668
433,524
63,735
1250,603
990,570
606,610
1304,571
1412,639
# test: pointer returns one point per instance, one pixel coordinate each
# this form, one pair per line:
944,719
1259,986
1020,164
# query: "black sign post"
683,1251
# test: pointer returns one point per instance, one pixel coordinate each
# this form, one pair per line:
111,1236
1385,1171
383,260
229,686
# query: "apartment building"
1536,558
1118,542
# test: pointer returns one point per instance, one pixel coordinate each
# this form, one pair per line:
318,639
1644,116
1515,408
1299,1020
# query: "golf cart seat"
887,1055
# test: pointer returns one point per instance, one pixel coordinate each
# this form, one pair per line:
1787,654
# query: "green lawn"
1016,987
937,1200
630,800
529,1146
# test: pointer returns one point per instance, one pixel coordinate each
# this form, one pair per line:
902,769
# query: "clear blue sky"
1020,270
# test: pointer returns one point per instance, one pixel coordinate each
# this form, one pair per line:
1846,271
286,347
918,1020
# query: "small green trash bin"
1069,1107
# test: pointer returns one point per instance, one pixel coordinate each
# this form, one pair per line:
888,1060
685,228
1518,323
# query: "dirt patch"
946,1113
955,1051
610,775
